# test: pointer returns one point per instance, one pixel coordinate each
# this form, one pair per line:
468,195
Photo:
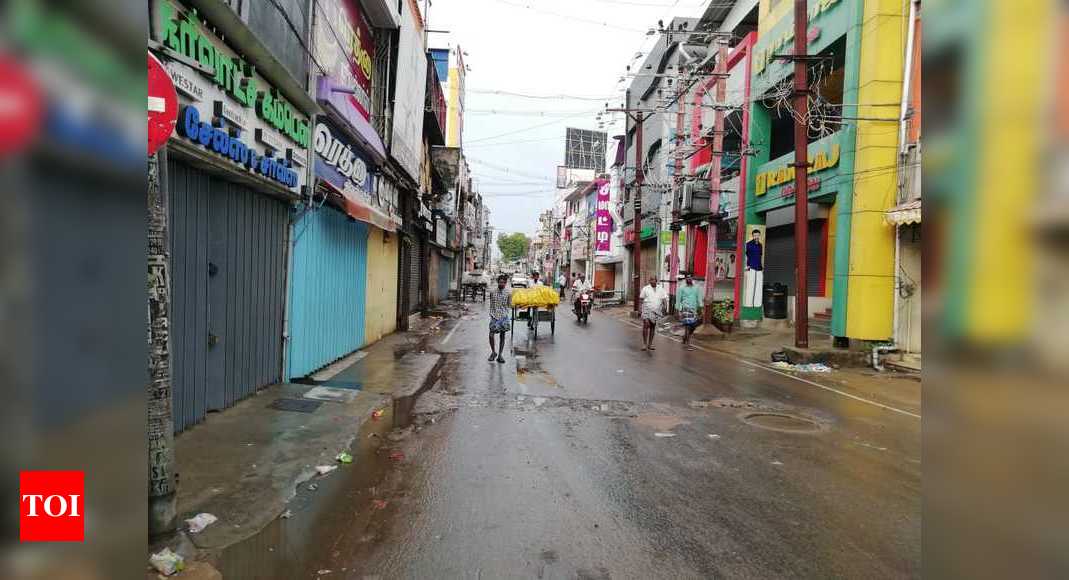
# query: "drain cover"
297,405
781,422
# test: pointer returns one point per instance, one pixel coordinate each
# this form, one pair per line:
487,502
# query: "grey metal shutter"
415,266
779,256
228,264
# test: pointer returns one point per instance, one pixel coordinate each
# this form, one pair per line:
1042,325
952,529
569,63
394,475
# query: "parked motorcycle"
583,303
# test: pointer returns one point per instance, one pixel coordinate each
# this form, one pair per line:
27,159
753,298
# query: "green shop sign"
666,237
181,32
780,40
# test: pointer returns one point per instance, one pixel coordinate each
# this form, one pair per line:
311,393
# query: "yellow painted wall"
870,292
381,314
1000,305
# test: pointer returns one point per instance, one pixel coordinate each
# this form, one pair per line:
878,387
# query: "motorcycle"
583,304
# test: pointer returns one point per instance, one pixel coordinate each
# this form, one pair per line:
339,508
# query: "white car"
520,281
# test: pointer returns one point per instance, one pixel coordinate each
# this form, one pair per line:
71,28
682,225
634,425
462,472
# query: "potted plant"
723,315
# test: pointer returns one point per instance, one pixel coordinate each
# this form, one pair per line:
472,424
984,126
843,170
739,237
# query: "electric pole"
715,165
639,116
677,183
801,174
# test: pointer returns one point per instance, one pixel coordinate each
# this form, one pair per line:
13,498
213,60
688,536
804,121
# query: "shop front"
237,163
769,241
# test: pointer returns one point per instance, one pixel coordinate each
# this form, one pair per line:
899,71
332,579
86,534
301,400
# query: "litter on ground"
803,368
167,562
344,457
664,434
325,469
714,436
198,522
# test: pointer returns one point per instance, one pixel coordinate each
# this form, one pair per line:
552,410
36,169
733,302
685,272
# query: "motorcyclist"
578,287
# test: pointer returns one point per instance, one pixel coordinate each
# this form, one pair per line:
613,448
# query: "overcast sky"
540,47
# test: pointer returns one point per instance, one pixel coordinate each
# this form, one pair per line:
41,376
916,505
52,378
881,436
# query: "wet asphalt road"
602,461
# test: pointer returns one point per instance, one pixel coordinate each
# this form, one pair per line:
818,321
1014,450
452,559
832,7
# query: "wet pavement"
584,457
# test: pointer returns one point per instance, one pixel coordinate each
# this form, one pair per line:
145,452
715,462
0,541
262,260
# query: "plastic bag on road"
198,522
167,562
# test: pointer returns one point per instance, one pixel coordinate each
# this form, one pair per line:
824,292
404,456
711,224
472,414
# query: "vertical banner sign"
345,50
603,223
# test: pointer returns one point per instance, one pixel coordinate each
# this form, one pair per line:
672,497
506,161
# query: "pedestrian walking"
499,318
689,309
654,300
562,283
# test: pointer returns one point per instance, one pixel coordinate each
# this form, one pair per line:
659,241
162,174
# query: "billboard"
411,89
602,222
585,149
345,49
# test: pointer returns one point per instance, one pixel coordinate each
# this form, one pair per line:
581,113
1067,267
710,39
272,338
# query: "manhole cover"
781,422
297,405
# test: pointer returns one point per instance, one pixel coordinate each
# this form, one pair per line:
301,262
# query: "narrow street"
602,461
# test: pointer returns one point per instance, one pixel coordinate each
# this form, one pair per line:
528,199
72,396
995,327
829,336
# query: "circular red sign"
20,106
162,105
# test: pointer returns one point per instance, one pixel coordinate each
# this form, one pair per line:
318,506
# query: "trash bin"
775,300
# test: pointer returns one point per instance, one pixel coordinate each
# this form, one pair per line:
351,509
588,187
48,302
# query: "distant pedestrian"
653,299
499,318
689,309
562,283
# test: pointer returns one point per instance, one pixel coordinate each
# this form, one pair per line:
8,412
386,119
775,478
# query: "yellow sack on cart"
540,296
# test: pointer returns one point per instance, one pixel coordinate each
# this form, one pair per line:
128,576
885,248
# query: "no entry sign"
162,105
20,106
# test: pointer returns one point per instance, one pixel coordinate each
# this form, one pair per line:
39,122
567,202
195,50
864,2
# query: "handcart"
534,315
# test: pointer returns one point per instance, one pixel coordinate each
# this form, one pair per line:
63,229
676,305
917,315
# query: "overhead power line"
561,97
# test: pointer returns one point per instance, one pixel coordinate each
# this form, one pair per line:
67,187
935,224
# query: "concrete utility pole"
639,116
677,183
801,174
715,164
161,482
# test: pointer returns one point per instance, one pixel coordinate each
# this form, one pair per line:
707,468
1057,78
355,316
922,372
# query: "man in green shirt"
689,307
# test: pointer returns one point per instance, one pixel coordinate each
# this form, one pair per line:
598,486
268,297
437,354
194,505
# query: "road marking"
790,376
450,335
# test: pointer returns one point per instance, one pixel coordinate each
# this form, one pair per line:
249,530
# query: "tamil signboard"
342,166
602,222
345,50
226,107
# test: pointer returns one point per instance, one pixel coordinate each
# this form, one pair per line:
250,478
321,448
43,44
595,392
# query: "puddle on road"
322,507
782,422
660,422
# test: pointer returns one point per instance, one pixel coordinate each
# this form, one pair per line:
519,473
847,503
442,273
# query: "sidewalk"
896,386
244,465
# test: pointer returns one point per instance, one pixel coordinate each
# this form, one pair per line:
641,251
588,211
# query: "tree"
513,246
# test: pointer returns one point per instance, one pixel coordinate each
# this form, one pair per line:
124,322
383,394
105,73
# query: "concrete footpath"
245,464
895,386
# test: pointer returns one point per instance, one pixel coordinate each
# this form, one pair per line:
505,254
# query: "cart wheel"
553,327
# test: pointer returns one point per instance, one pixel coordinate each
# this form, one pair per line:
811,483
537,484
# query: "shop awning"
904,213
374,216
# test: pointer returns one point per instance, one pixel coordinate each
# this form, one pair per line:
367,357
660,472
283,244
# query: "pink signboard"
602,221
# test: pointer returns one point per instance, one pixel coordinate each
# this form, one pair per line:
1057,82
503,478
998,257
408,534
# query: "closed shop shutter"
328,290
445,270
604,276
228,266
650,263
415,266
779,257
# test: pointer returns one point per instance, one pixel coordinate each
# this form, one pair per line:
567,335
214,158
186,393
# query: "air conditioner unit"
695,197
